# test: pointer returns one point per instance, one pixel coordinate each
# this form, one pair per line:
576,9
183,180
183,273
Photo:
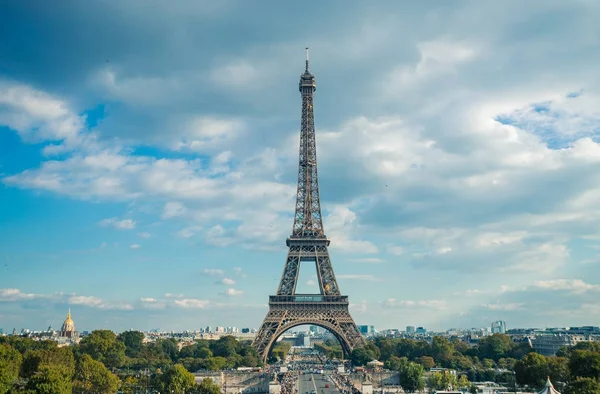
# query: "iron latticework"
328,309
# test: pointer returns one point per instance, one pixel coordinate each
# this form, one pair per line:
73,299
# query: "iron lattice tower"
328,309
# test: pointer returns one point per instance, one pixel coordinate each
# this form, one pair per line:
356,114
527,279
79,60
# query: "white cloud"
134,246
144,235
396,250
574,285
16,295
409,304
173,209
95,302
359,308
191,303
227,281
504,307
207,134
239,272
342,225
152,303
125,224
213,272
311,283
232,292
38,116
189,231
438,58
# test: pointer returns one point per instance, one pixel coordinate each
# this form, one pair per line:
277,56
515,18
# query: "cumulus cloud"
173,209
213,272
227,281
38,117
135,246
188,232
191,303
17,295
232,292
95,302
574,285
125,224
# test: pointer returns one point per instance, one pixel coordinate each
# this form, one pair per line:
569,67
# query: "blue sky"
148,159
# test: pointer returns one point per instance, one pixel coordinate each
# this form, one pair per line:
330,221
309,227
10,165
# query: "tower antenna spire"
307,59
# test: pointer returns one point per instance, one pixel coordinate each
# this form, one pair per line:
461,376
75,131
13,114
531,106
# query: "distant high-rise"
421,330
498,327
410,329
366,329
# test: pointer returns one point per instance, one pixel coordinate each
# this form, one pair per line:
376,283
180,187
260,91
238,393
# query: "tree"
495,346
207,386
443,381
394,363
362,355
176,379
10,363
92,375
51,379
583,386
134,341
426,361
103,346
442,351
506,363
387,347
128,385
558,368
532,370
228,346
411,377
463,383
434,382
216,363
585,363
34,360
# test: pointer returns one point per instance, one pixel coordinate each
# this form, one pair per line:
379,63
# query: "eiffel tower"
328,309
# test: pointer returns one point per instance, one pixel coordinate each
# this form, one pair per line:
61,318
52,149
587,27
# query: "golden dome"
69,324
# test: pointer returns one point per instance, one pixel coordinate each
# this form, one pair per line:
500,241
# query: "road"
316,383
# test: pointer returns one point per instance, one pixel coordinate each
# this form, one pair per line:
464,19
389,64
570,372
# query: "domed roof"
69,324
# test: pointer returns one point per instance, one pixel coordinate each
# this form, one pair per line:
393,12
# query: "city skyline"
148,161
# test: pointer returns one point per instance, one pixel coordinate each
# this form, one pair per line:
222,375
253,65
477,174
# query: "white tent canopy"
549,389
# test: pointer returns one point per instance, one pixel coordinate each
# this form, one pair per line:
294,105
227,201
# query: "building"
548,344
421,331
410,329
366,330
67,332
499,327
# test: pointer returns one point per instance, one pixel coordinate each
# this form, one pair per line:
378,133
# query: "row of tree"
495,351
104,362
495,358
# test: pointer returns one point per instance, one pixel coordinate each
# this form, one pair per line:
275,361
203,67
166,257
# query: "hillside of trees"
104,362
